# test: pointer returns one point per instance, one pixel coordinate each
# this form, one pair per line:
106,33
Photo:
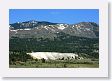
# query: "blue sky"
70,16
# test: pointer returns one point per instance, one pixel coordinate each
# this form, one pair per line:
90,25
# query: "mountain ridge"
39,29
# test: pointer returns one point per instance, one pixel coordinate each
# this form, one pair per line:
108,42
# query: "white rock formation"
53,55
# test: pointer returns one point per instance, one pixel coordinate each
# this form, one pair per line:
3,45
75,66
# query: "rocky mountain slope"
43,29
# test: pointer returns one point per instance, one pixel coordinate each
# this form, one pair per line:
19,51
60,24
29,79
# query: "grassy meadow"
83,63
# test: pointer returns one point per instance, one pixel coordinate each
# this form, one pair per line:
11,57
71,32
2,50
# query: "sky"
69,16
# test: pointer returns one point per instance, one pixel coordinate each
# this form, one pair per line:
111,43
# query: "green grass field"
84,63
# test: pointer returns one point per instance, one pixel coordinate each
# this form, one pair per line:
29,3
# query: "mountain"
41,36
30,24
44,29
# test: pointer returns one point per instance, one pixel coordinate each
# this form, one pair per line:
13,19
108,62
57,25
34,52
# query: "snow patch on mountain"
27,29
46,27
61,26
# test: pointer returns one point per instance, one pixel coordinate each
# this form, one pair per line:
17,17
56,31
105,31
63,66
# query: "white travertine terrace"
52,55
